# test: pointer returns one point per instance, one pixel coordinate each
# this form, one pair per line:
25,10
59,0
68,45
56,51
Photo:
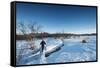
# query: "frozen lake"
73,50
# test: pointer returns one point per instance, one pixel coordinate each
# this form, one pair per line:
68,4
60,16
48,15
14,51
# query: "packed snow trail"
42,56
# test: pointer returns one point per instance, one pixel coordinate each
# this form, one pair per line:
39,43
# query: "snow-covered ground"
69,50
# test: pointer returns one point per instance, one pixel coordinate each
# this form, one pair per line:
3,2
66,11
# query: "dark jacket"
42,44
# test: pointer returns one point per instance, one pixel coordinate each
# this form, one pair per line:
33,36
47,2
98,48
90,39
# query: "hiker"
42,45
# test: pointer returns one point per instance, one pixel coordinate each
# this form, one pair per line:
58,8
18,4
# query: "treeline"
45,35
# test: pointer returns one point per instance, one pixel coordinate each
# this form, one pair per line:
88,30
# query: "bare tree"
38,28
34,27
21,27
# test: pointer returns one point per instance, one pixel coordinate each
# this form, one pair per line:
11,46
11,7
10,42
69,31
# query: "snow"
69,50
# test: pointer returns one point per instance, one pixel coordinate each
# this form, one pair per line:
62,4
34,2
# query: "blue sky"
57,18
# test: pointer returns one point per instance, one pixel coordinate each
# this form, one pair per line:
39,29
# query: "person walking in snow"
43,43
